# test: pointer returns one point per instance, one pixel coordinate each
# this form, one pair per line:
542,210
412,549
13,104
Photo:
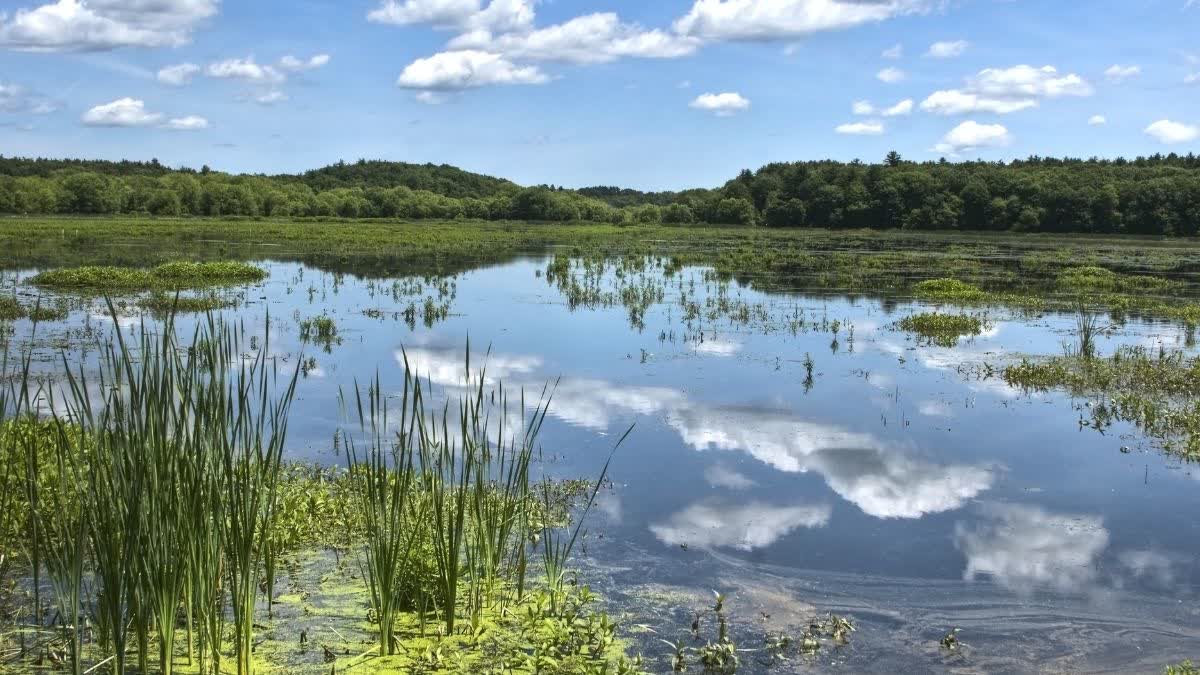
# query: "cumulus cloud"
15,98
947,50
189,123
971,135
904,107
862,108
431,97
763,20
870,128
1097,120
890,75
721,105
894,52
1166,131
959,102
1024,547
464,15
1193,78
246,70
466,69
295,65
123,112
592,38
1119,73
1006,90
178,75
746,527
96,25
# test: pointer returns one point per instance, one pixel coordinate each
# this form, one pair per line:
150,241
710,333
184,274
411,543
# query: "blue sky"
654,95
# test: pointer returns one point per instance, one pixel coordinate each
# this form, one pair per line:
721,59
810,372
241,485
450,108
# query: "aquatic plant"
174,275
942,329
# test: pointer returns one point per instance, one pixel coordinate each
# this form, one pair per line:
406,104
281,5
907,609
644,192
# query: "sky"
648,94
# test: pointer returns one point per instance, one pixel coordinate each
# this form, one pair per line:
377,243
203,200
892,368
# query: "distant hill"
443,179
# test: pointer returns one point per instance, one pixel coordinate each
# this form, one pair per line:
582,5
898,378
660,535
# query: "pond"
795,451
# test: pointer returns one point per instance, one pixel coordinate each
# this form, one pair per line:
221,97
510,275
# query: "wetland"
529,447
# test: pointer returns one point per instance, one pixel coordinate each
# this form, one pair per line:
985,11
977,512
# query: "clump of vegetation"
10,309
942,329
1159,391
1184,668
1094,279
321,330
949,290
167,276
165,303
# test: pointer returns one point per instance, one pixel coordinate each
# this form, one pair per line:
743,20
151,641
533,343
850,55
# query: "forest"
1155,195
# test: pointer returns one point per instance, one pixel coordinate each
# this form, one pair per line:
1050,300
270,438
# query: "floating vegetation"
11,310
1092,279
1157,390
943,329
166,276
165,303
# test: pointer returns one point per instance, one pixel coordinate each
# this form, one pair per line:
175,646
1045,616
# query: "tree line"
1157,195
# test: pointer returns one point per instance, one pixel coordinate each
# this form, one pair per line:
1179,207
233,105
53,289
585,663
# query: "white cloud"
1027,81
971,135
870,128
947,50
189,123
497,16
904,107
464,69
719,475
95,25
1024,547
592,38
959,102
246,70
178,75
431,97
270,97
123,112
1006,90
15,98
1097,120
292,64
1193,78
762,20
894,52
890,75
1166,131
722,105
745,527
1119,73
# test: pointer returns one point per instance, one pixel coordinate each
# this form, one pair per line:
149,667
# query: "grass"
161,511
174,275
942,329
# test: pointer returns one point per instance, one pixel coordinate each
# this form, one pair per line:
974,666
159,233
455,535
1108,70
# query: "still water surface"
904,484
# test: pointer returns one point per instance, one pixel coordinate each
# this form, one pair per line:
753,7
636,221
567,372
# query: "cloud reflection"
1022,547
746,527
883,481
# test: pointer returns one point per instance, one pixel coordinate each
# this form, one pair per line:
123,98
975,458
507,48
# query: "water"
901,485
